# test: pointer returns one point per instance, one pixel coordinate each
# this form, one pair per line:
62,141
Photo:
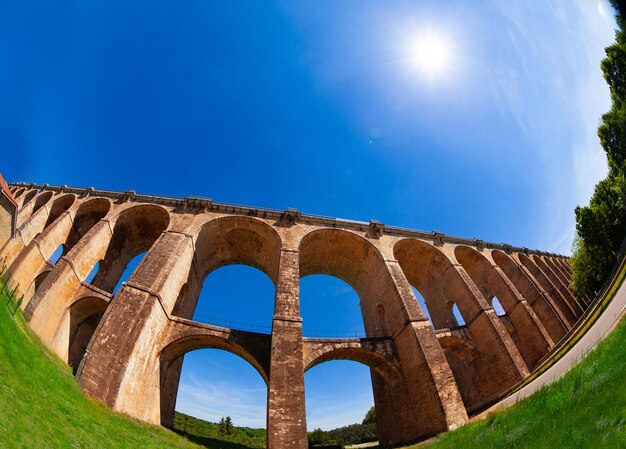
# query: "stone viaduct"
127,349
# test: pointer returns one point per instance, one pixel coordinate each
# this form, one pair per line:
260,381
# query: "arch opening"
85,315
134,233
464,329
456,316
339,393
215,371
233,296
40,201
330,308
57,254
59,206
358,263
29,196
497,306
235,264
87,215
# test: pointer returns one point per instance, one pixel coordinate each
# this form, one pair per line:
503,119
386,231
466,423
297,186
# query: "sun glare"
431,54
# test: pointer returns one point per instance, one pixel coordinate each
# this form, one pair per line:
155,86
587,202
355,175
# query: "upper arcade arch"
529,335
555,323
547,285
443,285
356,261
135,230
228,241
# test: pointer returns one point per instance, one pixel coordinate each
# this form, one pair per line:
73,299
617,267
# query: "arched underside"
377,362
527,333
335,253
464,360
135,231
85,315
554,322
228,241
443,286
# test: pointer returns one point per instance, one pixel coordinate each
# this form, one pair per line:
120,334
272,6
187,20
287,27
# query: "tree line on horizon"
601,226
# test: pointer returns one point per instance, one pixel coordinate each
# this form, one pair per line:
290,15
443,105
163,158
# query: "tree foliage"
226,426
601,226
351,434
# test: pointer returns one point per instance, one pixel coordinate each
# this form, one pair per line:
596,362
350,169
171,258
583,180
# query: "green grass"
584,409
42,407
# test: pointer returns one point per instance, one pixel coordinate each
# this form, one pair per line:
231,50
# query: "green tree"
226,426
370,416
601,226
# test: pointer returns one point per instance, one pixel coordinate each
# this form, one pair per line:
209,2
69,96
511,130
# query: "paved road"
602,327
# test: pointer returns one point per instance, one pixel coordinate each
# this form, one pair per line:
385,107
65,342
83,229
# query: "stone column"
121,366
431,390
30,261
286,413
544,284
24,235
488,324
48,305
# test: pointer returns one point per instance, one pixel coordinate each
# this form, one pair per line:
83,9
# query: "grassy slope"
41,405
585,409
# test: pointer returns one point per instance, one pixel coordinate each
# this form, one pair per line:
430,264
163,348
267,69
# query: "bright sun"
431,53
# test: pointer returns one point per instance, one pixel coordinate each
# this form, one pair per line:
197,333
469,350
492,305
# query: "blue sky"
317,105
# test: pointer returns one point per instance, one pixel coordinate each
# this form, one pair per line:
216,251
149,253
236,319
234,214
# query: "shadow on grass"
211,443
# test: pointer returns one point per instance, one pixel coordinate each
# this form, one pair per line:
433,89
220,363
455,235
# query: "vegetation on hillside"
585,409
351,434
218,435
601,226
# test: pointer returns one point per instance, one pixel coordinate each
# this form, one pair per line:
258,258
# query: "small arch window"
457,317
497,306
57,254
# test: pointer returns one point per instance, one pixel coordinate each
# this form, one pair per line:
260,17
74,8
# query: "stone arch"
556,263
87,215
171,360
431,272
461,353
561,286
556,270
136,229
435,275
19,192
226,241
33,201
29,196
60,231
553,321
84,316
525,330
547,285
387,383
59,206
379,363
356,261
40,201
34,285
